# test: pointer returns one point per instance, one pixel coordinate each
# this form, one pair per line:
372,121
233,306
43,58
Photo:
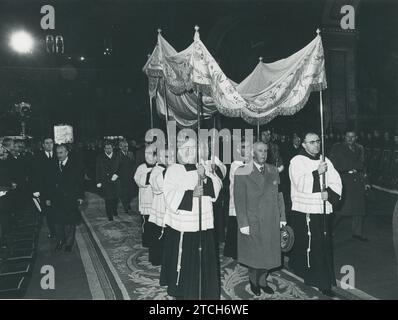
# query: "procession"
197,174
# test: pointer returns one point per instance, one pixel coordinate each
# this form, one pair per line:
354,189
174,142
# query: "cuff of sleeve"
333,197
187,201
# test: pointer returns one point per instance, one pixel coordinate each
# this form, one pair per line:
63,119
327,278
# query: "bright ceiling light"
21,42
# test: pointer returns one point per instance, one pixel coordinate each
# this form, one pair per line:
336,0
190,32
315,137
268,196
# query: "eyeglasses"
314,142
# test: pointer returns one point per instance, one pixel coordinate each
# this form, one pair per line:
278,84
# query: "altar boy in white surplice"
145,194
156,216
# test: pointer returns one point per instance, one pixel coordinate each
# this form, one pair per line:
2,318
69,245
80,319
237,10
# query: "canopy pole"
150,107
151,98
258,130
167,110
323,159
199,111
323,187
213,147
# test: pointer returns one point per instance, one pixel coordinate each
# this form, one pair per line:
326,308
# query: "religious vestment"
312,256
219,220
156,216
145,198
231,241
180,265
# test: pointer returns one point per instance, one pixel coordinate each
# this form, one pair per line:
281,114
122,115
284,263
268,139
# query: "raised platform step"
12,286
16,267
19,254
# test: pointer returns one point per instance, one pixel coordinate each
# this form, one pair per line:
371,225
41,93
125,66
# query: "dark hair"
108,143
306,133
46,138
62,145
350,129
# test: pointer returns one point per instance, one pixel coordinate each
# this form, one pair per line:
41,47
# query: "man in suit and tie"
43,163
107,176
126,175
260,212
65,194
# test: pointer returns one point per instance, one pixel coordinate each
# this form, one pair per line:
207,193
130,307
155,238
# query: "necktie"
60,166
262,169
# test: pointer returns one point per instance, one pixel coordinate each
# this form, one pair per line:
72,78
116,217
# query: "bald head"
260,151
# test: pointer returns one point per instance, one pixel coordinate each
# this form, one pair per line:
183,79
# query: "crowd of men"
277,181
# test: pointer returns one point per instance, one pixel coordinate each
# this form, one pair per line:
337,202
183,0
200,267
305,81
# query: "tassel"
161,235
179,258
143,224
309,239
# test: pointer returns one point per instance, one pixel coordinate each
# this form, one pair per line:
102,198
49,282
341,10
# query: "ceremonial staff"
151,99
199,111
323,188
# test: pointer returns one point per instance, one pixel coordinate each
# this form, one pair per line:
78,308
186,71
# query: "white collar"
109,155
65,161
258,166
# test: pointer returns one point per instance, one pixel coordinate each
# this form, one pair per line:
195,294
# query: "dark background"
107,95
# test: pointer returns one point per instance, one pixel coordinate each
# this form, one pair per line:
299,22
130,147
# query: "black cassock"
185,285
320,273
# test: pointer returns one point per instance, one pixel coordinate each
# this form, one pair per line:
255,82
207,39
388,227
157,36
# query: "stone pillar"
341,105
341,97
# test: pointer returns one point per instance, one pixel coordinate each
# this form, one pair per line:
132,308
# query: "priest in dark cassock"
185,183
145,194
260,212
312,254
348,158
156,216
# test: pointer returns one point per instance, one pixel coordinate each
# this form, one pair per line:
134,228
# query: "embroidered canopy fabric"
272,89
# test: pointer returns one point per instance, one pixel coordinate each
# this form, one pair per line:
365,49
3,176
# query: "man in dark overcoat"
348,158
64,193
126,175
107,169
260,213
44,162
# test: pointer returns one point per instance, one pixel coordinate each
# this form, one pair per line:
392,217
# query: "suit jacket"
64,188
259,205
105,169
126,168
344,159
42,169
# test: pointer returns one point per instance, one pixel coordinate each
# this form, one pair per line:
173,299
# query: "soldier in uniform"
348,159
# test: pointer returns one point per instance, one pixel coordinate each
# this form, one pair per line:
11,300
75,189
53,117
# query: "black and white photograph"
219,152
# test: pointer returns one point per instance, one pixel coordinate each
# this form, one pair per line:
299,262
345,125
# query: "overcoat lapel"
257,177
